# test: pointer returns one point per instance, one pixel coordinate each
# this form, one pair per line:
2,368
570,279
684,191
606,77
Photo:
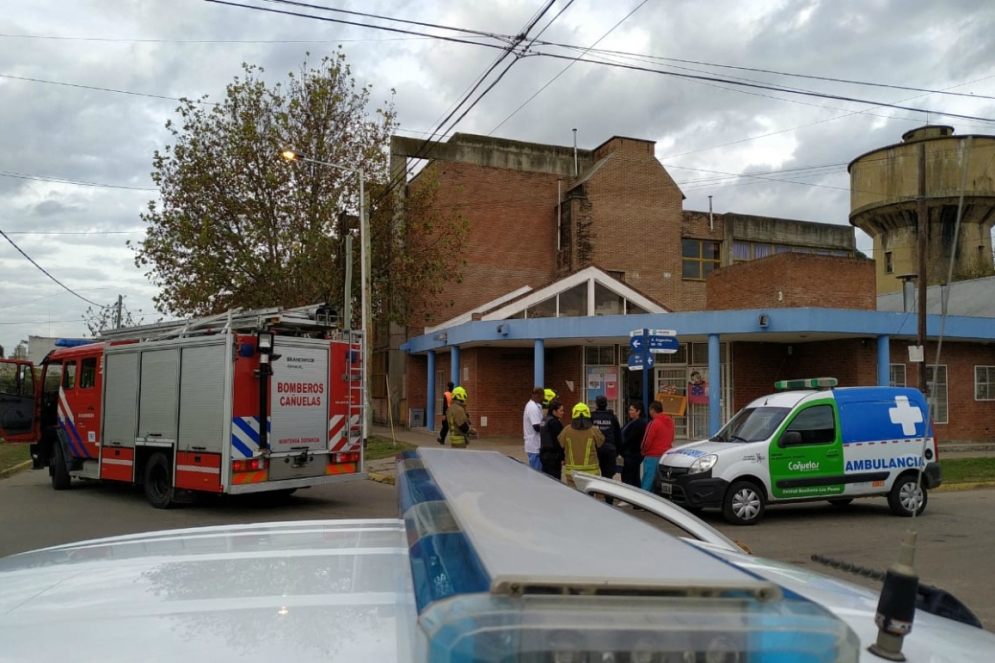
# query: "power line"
124,40
74,232
790,74
760,86
329,19
564,70
64,286
402,177
59,180
422,24
39,322
105,89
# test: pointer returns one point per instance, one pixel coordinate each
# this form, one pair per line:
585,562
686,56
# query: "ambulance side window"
69,375
816,425
88,373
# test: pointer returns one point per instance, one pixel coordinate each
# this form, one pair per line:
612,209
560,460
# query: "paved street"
33,515
956,534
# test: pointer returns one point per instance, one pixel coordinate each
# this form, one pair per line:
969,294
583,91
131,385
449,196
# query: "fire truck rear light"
250,465
351,457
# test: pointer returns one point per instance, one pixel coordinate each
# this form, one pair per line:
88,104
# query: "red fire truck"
175,407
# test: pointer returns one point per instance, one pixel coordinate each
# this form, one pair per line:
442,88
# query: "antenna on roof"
576,169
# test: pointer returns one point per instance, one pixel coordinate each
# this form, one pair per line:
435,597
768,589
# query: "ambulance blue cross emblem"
905,414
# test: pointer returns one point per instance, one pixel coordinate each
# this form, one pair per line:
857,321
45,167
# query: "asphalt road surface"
956,534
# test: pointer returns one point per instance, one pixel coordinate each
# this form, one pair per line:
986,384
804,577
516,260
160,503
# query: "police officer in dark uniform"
607,423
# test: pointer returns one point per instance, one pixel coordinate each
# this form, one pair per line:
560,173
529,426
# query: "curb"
381,478
973,485
14,470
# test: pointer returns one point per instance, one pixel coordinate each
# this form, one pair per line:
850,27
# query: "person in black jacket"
632,439
550,451
607,422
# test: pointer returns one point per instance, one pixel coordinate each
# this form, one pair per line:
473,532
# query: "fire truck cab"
176,407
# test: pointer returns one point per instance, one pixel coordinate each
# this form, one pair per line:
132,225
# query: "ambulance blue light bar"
510,565
808,383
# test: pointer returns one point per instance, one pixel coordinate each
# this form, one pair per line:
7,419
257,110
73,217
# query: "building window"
607,302
615,274
88,373
599,355
741,251
69,376
378,375
896,375
700,258
889,265
573,302
984,383
937,395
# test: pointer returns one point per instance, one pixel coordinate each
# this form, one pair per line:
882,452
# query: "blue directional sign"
638,362
664,344
636,343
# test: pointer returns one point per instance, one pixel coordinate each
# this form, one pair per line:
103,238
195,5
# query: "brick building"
569,250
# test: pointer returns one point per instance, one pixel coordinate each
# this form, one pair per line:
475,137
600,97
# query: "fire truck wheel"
159,481
60,474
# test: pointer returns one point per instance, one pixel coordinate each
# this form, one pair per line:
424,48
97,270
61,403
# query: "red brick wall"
636,214
757,366
694,225
969,420
794,280
500,383
511,240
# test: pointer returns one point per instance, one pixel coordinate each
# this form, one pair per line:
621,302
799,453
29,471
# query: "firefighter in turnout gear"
459,420
580,442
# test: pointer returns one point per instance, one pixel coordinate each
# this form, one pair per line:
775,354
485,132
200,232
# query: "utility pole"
117,312
922,216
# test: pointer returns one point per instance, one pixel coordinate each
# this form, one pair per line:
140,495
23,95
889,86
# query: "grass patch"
383,447
968,470
13,454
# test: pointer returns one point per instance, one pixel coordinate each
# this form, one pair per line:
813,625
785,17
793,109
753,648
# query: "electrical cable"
564,70
59,180
43,271
105,89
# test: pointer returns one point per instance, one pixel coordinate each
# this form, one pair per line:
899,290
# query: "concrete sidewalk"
383,470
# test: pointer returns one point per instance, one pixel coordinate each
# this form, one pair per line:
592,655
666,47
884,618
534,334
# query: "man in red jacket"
658,439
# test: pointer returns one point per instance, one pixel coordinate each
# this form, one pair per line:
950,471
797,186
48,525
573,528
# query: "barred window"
984,383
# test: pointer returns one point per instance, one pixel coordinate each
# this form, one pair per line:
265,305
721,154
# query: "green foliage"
238,226
383,447
967,470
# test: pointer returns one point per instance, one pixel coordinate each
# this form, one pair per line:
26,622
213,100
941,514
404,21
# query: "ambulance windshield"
752,424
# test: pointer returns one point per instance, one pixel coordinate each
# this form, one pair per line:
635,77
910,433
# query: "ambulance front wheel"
159,481
907,496
744,503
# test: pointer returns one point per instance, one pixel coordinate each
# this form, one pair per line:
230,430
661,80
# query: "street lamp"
364,255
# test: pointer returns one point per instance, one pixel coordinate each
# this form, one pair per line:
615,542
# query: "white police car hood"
299,591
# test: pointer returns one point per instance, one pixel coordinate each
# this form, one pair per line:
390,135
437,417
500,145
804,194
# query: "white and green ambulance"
812,441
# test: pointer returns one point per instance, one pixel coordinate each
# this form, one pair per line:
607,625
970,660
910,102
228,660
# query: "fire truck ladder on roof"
316,318
355,378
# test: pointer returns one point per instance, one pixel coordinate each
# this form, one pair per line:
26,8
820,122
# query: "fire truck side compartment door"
120,399
202,398
17,399
159,396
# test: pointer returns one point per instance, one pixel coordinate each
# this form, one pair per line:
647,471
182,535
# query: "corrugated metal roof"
971,298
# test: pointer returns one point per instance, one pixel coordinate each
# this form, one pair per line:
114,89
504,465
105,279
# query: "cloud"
56,131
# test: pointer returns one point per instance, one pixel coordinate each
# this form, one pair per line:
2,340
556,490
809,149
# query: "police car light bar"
510,565
810,383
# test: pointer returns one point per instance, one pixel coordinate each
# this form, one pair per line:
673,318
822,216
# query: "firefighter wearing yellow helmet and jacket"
459,420
580,442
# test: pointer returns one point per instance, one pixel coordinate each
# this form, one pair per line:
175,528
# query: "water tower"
884,186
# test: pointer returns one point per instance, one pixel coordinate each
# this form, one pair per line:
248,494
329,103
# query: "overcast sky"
175,48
